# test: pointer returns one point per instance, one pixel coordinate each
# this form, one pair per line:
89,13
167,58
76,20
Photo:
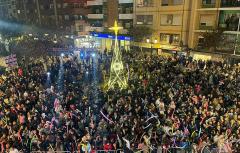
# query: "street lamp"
151,43
148,40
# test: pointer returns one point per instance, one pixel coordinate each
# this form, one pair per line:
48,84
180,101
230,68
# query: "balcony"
94,2
95,16
125,16
125,1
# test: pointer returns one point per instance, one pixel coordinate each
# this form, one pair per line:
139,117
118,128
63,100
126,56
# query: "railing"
192,149
205,148
97,151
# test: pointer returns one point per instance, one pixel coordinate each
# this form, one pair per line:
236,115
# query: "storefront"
87,42
106,41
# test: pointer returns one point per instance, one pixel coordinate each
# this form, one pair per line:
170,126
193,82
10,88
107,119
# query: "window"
200,41
80,28
66,17
129,10
145,19
164,37
170,38
51,6
46,7
144,3
208,1
171,2
60,18
97,11
76,5
71,5
177,2
120,10
128,25
75,17
59,5
230,3
171,19
65,5
229,20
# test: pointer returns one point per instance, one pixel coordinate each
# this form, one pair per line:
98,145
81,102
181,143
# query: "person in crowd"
50,105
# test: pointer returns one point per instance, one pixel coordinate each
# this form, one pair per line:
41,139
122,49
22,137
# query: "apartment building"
8,9
210,14
179,23
105,12
168,18
102,17
69,16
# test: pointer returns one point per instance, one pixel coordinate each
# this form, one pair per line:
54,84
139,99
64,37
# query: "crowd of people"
56,103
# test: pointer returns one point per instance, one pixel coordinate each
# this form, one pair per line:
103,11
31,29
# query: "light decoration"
118,77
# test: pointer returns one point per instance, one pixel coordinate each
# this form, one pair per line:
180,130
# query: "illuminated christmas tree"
118,76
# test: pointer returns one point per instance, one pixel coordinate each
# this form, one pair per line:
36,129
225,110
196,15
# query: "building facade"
178,23
105,12
102,17
8,9
211,14
68,16
168,18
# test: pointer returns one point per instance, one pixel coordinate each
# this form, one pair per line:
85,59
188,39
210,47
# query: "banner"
11,60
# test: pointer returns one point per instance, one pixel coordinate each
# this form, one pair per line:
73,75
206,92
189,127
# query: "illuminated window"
144,3
65,5
75,17
171,2
80,28
66,17
170,38
145,19
171,19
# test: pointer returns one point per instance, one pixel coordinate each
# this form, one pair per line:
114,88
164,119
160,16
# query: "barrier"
206,148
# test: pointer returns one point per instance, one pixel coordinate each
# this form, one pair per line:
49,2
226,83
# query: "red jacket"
107,146
20,72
